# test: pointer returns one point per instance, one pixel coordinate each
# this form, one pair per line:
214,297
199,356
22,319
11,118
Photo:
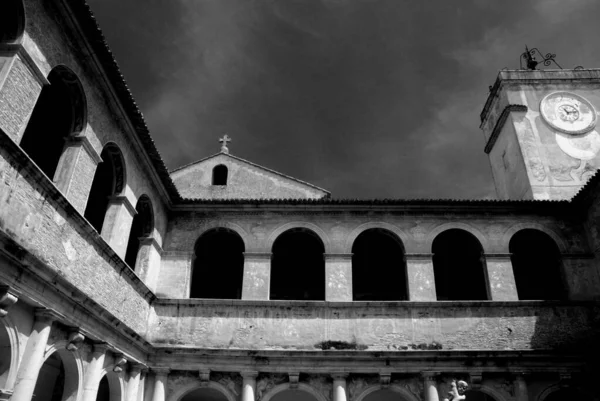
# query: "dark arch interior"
103,390
107,182
378,267
219,175
458,267
298,266
474,395
293,395
56,115
51,380
536,265
5,355
204,394
384,395
12,21
218,266
567,394
141,227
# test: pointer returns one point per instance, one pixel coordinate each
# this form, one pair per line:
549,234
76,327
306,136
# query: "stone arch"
60,113
12,21
463,226
301,386
188,388
12,337
298,224
402,237
73,366
544,394
246,238
406,394
116,384
512,230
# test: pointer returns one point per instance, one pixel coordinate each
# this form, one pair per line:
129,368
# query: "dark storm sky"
377,98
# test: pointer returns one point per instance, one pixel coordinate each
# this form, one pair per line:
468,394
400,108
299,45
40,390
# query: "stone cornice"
500,124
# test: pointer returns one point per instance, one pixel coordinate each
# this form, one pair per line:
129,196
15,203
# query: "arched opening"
6,356
141,227
219,175
293,395
60,112
109,388
298,266
103,390
475,395
108,181
537,265
384,395
218,269
12,21
567,393
458,267
378,267
58,379
204,394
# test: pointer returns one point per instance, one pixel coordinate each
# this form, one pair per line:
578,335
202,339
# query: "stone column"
501,279
33,357
117,224
8,297
421,280
430,391
249,386
134,382
75,171
257,276
160,384
141,393
147,263
339,387
93,373
338,277
520,386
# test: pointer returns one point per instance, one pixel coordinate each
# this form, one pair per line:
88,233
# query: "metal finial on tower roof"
532,63
224,141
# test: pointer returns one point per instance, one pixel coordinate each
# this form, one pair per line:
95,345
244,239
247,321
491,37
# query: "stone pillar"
93,373
33,357
249,386
257,276
117,224
8,297
421,280
160,384
339,387
134,382
147,263
580,277
338,277
141,393
520,386
430,391
501,279
75,171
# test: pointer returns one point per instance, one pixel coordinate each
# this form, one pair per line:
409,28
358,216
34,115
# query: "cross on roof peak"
224,141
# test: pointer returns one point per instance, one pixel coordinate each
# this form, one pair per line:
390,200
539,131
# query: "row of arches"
379,270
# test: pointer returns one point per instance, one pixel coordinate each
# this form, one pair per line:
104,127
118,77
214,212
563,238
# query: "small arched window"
142,227
219,176
12,21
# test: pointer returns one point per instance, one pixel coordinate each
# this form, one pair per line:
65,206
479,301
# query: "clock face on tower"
568,112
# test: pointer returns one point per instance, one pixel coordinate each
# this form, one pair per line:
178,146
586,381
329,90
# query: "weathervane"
224,141
532,63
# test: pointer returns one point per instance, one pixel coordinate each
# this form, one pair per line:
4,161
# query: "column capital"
46,315
161,370
339,375
82,140
100,348
136,367
418,256
152,242
502,256
429,375
257,255
338,256
8,297
122,200
249,374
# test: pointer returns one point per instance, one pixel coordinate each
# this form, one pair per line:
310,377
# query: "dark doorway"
567,394
141,227
537,265
378,267
219,175
59,113
108,181
51,380
218,270
298,266
458,267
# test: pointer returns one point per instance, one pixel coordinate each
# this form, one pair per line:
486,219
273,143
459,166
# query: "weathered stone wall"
375,325
244,181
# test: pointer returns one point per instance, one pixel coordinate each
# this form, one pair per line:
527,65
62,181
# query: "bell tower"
541,133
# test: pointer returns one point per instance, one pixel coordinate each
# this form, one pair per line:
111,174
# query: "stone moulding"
500,123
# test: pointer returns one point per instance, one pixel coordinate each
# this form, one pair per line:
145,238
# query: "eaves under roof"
81,10
328,194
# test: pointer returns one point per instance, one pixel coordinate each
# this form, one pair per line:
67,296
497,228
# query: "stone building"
227,281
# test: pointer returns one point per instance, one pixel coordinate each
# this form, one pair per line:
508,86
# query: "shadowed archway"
141,227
